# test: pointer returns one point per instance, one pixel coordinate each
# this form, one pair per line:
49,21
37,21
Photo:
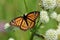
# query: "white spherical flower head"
51,35
53,15
58,18
7,25
44,16
58,3
49,4
11,39
58,31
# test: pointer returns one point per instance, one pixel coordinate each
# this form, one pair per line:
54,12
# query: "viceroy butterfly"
26,21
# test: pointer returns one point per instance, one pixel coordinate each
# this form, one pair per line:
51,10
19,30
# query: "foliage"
10,9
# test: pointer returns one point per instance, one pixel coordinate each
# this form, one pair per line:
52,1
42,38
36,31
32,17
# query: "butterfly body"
25,18
26,21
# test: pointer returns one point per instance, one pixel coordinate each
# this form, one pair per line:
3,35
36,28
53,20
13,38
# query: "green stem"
32,36
25,6
35,34
41,36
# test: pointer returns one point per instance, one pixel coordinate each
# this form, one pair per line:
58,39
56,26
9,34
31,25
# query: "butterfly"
25,22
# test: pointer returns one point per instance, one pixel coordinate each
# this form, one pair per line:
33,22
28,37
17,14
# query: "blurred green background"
10,9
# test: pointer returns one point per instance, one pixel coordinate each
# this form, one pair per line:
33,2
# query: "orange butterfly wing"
16,21
24,25
33,15
30,23
19,22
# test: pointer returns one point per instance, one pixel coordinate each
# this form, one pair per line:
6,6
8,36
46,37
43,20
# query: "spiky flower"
11,39
53,15
44,16
51,35
7,25
2,26
49,4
